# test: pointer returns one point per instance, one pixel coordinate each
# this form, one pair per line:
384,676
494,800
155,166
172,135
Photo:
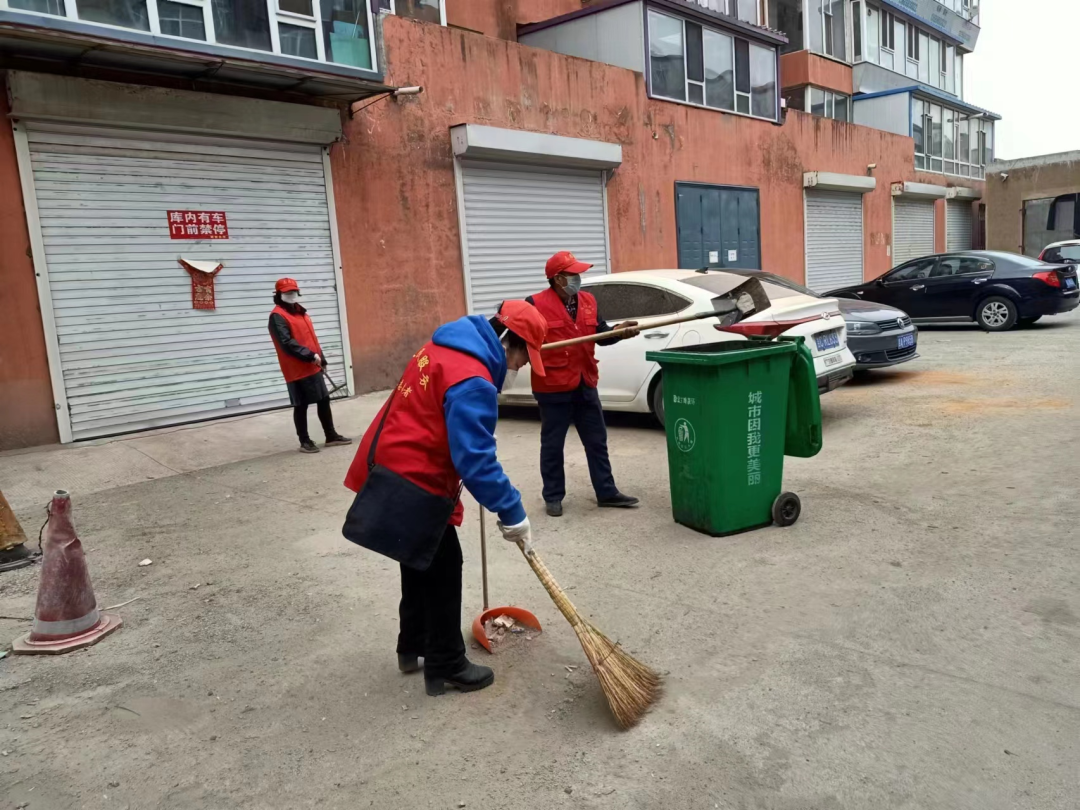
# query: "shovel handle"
559,344
483,555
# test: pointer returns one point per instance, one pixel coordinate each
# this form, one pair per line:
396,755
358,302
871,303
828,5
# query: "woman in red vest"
302,362
567,395
437,431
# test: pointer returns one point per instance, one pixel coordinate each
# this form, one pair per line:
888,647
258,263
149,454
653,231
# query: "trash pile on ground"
502,631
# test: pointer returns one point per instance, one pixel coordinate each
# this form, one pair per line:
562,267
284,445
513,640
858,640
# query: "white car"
629,382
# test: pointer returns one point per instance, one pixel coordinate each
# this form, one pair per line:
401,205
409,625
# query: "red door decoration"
202,282
198,225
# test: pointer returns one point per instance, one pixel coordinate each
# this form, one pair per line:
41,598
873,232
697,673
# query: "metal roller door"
958,230
913,229
516,217
133,351
834,240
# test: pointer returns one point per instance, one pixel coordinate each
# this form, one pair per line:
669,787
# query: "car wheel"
656,400
1028,321
996,314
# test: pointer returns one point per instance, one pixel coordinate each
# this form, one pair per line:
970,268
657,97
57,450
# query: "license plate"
827,340
905,341
832,361
1070,283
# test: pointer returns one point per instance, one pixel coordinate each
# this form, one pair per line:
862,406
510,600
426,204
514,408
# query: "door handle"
915,287
655,335
979,280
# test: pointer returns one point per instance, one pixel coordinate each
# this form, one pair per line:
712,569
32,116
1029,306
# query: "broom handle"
483,555
565,606
559,344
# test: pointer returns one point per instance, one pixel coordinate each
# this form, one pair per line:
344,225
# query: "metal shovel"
519,615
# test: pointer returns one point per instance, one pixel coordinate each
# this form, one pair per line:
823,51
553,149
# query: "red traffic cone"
67,617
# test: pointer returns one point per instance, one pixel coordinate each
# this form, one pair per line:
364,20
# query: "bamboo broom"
630,687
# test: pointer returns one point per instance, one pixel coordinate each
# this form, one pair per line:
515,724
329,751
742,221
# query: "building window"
828,104
889,27
828,27
796,99
432,11
856,30
787,16
320,30
947,141
699,65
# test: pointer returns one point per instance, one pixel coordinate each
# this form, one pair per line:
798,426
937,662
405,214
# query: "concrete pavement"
911,643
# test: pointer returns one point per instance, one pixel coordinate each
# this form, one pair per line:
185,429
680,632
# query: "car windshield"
1064,253
722,283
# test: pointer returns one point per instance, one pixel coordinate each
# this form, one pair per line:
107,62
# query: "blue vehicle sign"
905,341
827,340
1070,283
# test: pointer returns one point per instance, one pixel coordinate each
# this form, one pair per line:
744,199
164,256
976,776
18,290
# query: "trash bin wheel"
786,509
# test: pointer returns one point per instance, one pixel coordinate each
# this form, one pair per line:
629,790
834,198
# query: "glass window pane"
40,6
934,59
815,25
959,75
786,16
297,7
696,93
796,99
817,101
838,21
950,69
962,148
898,38
666,56
719,70
973,130
935,118
988,131
742,66
763,81
345,32
742,104
125,13
947,134
426,10
297,40
748,11
181,20
856,29
924,58
244,23
873,34
695,69
918,118
842,108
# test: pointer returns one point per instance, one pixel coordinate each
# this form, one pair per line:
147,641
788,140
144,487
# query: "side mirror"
880,281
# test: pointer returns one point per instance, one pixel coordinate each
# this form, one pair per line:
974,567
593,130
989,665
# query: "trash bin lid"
721,353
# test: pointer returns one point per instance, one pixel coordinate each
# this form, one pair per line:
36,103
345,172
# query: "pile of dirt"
504,632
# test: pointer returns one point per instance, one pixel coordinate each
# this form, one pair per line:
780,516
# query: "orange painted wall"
500,18
802,68
394,181
27,416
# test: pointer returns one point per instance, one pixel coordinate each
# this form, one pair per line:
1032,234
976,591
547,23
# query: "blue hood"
474,336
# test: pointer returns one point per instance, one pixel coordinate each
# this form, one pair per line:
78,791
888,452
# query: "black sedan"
878,335
996,290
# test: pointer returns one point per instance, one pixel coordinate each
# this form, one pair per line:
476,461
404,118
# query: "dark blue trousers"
581,408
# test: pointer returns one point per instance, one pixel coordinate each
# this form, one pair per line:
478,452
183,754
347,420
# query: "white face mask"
573,284
290,297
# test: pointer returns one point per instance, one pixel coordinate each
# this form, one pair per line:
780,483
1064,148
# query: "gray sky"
1023,69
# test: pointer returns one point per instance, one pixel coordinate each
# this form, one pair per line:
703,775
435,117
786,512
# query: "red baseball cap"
287,285
525,321
564,262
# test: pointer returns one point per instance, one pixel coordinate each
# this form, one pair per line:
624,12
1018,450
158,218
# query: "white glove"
318,360
519,532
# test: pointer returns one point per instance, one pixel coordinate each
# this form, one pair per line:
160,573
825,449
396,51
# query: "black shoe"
554,508
308,447
338,439
618,501
470,678
409,663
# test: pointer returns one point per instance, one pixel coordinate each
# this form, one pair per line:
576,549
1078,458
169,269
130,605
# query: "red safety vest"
303,332
414,442
566,368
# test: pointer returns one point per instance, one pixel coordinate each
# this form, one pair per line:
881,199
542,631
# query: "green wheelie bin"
732,411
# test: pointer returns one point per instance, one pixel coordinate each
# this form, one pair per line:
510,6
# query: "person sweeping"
302,362
434,435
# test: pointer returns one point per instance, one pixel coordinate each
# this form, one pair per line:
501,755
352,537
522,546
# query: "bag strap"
378,431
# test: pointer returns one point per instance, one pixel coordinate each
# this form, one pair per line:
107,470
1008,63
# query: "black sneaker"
409,663
470,678
338,439
554,508
308,447
618,501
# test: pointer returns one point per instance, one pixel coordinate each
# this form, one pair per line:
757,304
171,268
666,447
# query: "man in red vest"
440,434
567,394
302,362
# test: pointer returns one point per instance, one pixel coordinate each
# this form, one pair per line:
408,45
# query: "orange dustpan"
520,615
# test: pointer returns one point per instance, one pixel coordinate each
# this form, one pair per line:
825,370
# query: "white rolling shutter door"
834,240
957,226
516,217
133,352
913,229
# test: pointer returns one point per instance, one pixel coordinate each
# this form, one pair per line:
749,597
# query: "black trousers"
431,610
580,407
322,407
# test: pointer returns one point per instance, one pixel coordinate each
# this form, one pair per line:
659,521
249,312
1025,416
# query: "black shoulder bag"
395,517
